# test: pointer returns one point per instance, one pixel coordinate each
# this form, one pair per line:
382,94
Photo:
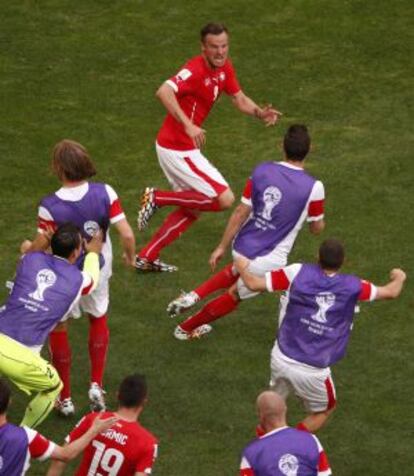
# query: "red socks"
61,359
98,347
187,199
221,280
174,225
215,309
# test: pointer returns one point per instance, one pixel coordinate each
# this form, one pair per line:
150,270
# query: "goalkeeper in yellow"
45,289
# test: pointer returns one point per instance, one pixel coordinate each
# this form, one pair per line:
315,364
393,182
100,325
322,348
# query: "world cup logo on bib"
91,227
325,301
289,465
271,198
45,278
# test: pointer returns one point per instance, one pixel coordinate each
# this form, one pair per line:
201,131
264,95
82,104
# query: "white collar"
290,166
276,430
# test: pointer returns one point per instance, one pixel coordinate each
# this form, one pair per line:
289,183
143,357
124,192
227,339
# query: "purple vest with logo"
279,196
14,446
44,289
319,314
285,452
88,214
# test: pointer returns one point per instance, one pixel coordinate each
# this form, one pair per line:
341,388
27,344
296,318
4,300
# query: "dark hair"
133,391
71,161
4,396
213,29
65,240
296,142
331,254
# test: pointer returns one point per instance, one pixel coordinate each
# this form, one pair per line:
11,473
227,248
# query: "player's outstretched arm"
267,114
236,220
72,450
253,282
127,240
167,96
393,289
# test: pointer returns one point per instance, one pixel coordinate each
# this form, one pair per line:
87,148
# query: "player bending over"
46,288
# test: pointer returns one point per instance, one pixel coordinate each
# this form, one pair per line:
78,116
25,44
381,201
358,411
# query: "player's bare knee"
226,199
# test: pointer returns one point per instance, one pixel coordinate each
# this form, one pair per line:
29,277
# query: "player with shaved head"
281,450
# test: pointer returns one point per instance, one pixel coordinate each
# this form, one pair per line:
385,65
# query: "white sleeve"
43,215
318,192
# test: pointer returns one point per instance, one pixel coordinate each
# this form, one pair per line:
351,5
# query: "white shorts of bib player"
313,386
259,266
190,170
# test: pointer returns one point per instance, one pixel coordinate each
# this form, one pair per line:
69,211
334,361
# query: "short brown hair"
331,254
71,161
296,142
213,29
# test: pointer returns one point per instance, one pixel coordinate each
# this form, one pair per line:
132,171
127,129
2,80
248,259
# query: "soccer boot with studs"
144,265
182,303
197,333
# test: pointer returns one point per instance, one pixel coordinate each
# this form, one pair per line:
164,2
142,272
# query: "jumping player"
91,206
126,449
46,288
197,185
278,198
315,324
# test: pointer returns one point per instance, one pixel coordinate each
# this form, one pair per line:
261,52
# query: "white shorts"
190,170
313,386
96,304
258,266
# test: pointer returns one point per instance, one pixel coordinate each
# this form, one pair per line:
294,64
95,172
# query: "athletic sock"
187,199
221,280
98,346
174,225
61,357
219,307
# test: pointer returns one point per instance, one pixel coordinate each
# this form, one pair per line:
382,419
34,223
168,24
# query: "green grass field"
89,70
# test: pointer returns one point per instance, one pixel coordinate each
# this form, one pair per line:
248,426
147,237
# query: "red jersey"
123,450
197,86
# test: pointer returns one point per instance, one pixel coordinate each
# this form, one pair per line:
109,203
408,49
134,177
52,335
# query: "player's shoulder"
196,64
228,65
49,199
145,435
264,167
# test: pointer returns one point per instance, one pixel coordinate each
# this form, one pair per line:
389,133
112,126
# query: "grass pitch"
89,70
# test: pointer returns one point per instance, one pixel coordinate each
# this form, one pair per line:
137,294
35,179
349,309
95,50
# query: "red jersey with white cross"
123,450
197,86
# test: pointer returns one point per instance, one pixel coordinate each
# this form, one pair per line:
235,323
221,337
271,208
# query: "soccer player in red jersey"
125,449
197,185
20,444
